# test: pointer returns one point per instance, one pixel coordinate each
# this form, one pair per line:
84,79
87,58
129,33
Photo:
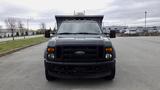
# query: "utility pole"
145,20
28,19
27,28
84,12
74,12
27,24
26,32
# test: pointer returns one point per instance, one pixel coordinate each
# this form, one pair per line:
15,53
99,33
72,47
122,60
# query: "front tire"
112,74
48,76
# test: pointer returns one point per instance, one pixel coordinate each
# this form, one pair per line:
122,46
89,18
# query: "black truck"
79,49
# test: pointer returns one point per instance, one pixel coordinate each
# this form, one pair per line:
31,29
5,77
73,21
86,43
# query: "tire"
48,76
112,75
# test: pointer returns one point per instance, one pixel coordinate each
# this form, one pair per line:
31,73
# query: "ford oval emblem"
80,52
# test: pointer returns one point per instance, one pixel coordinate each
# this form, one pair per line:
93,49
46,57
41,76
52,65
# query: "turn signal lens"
109,50
50,50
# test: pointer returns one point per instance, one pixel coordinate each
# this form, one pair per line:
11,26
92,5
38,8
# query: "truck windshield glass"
79,28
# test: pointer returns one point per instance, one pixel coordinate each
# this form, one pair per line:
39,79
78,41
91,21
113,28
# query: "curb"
18,49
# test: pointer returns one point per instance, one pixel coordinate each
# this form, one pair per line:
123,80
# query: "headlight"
51,51
108,56
51,56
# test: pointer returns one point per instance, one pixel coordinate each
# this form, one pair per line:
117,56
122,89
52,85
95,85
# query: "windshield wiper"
85,33
65,33
77,33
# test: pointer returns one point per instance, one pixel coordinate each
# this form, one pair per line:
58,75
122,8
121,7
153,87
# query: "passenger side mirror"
106,34
47,34
112,34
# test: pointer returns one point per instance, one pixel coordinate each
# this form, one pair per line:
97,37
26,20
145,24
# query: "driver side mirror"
112,34
47,34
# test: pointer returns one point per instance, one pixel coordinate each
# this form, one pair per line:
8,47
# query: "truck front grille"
68,52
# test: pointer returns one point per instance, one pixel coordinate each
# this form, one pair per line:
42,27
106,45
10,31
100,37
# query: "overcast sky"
116,12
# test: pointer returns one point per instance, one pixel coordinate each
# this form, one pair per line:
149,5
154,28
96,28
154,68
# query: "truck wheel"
112,75
48,76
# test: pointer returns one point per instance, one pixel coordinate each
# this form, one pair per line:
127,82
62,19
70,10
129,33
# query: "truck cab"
79,49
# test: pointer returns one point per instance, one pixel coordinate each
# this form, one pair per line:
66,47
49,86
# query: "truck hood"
78,40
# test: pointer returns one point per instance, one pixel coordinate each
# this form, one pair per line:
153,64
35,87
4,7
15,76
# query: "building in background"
7,33
116,28
136,31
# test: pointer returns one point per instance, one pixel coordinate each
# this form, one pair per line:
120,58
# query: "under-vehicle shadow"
80,83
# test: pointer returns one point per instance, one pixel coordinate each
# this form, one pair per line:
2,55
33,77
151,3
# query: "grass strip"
7,46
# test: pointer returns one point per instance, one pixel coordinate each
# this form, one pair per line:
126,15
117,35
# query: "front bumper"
79,70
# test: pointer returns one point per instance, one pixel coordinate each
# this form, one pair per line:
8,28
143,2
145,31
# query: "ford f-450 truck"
79,49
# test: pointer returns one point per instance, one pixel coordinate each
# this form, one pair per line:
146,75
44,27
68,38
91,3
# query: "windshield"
79,28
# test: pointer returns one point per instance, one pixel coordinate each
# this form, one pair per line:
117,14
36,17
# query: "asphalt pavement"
138,68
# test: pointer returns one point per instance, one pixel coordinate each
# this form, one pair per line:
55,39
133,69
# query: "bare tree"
0,28
11,24
21,28
42,27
